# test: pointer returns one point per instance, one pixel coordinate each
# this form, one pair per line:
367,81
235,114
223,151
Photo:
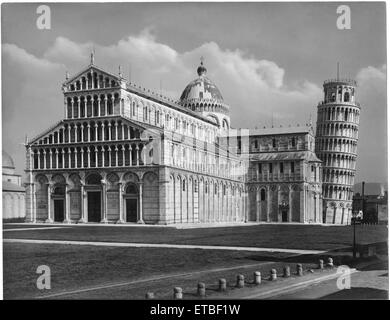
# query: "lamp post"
354,216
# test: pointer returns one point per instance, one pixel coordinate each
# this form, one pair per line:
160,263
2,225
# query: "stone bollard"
177,293
330,263
286,271
299,270
222,285
321,264
149,295
240,281
201,289
274,275
257,277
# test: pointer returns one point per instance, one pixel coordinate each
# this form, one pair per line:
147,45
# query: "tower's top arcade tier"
340,91
346,82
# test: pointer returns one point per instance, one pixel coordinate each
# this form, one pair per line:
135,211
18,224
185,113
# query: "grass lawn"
75,267
312,237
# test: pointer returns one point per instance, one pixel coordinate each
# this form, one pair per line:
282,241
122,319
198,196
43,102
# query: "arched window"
60,190
262,195
94,179
131,189
346,97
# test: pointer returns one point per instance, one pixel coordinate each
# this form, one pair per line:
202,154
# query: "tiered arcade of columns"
336,145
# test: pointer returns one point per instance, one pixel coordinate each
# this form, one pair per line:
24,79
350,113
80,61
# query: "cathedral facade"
125,154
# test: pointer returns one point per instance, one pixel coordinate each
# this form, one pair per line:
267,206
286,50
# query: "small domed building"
13,192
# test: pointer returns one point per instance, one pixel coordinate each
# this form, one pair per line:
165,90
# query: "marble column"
104,199
83,218
88,133
121,213
137,155
44,159
116,156
88,157
141,218
123,156
268,203
50,213
57,158
67,205
96,157
34,209
82,158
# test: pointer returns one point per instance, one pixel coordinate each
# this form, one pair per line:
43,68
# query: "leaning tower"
336,145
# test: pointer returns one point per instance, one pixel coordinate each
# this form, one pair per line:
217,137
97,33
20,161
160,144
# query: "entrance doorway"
284,215
94,206
131,210
59,210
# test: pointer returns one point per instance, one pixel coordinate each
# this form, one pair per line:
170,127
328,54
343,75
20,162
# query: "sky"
269,60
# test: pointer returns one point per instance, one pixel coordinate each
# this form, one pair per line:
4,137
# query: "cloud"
371,73
254,88
249,85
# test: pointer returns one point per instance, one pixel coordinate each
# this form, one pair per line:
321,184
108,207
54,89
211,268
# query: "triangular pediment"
91,74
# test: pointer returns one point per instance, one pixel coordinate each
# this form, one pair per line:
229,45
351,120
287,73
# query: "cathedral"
126,154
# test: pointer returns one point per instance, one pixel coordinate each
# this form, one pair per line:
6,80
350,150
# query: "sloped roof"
284,156
281,130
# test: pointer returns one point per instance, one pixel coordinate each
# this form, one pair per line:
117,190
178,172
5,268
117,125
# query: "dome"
7,161
201,88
